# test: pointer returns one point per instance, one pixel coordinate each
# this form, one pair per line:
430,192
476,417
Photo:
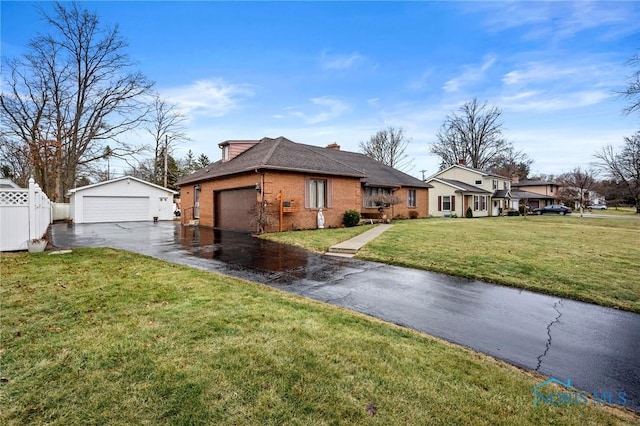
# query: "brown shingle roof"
283,154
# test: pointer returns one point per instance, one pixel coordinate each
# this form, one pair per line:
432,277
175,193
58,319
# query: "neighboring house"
589,198
125,199
458,187
6,183
535,193
293,182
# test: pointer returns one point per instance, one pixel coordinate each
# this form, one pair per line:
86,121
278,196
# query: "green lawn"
589,259
318,240
613,211
104,336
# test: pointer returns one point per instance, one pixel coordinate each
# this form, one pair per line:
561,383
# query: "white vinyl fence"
60,211
24,214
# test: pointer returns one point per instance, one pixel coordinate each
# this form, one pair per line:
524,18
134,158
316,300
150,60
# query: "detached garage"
126,199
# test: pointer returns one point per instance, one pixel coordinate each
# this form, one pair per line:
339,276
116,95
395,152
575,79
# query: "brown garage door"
233,209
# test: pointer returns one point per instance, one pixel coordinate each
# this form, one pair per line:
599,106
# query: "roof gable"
459,186
468,169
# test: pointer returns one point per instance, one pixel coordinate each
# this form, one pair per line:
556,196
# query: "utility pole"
422,171
166,158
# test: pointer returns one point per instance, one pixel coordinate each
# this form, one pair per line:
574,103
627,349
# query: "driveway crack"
548,346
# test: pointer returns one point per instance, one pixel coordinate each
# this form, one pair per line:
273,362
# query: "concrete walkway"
350,247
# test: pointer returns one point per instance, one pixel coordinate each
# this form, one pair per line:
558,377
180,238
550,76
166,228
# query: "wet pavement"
597,348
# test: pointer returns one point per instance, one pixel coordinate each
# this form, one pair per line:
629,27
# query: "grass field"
613,211
589,259
101,336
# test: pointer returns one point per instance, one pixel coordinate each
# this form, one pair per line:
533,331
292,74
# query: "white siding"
115,209
121,200
442,190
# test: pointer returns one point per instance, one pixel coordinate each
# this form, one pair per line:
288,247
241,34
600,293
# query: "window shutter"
453,203
306,193
329,194
439,203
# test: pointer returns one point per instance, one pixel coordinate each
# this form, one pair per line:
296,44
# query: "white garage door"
115,209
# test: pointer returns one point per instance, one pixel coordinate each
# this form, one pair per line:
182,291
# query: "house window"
411,198
479,182
446,203
373,195
317,193
495,184
480,202
505,185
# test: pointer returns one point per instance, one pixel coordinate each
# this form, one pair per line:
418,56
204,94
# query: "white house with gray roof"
459,187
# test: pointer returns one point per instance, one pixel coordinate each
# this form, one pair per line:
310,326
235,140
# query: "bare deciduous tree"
512,163
474,136
167,126
632,92
14,161
576,186
71,93
623,166
388,146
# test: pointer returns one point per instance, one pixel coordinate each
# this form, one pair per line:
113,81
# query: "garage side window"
318,193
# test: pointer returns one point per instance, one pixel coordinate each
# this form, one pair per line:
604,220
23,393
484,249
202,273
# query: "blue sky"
323,72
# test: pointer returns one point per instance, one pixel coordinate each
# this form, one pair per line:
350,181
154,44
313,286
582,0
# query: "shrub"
413,214
350,218
469,213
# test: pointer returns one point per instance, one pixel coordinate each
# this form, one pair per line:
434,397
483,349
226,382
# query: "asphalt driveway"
597,348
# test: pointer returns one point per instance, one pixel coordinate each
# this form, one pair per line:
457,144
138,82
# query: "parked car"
597,207
553,208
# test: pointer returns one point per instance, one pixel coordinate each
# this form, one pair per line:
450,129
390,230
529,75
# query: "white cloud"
569,71
340,61
545,102
470,75
211,97
322,109
374,102
555,21
421,82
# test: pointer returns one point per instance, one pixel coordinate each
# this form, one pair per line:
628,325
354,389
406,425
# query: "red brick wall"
346,194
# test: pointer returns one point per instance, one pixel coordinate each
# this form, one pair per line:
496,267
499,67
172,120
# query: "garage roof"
82,188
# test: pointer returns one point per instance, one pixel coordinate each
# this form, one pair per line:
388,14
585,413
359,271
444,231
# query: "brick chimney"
462,162
334,146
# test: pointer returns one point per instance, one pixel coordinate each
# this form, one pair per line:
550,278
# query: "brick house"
292,182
